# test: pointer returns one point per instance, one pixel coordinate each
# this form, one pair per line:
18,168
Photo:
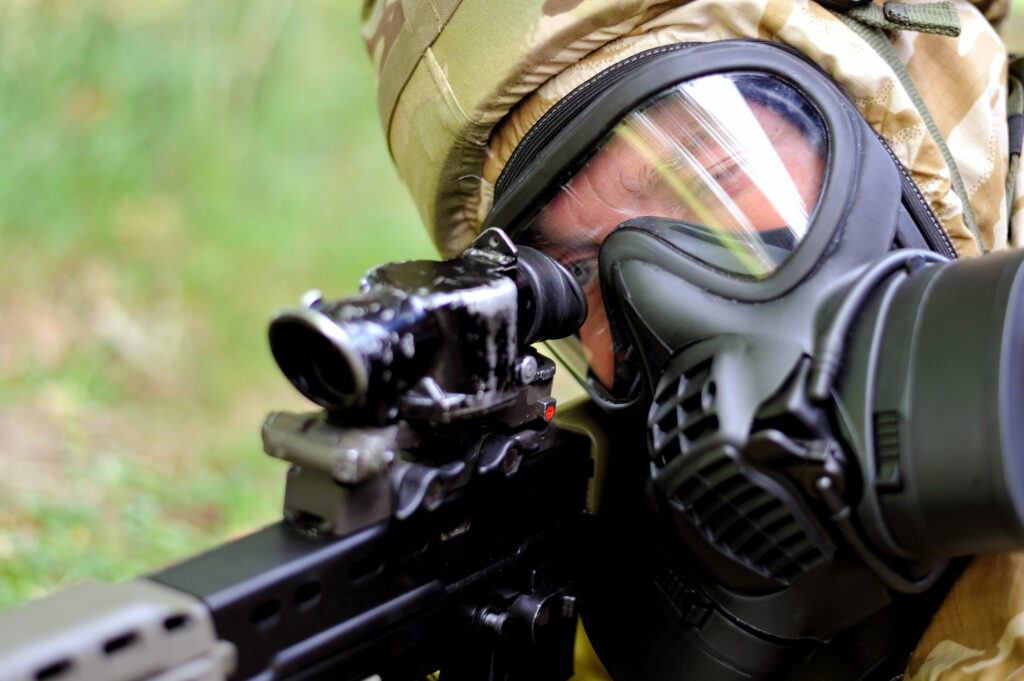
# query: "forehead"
616,182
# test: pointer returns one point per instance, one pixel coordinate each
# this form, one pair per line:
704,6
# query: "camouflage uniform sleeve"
978,632
994,10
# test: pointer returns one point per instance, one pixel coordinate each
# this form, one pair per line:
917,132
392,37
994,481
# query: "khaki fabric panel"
965,91
978,633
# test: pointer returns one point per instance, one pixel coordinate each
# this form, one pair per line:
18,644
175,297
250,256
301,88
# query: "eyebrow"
559,248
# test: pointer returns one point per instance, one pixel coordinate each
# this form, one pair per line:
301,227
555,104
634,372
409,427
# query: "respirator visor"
728,166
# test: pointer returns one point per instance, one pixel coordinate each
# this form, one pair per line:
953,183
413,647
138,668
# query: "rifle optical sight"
333,351
429,339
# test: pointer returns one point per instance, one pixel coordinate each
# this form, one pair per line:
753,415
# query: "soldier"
466,86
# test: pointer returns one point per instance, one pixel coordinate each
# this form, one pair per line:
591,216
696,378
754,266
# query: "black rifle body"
402,599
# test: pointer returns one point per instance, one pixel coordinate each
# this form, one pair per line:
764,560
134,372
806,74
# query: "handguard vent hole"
266,614
176,622
54,670
413,549
307,595
365,566
120,642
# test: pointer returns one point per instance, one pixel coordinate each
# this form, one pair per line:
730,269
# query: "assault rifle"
432,511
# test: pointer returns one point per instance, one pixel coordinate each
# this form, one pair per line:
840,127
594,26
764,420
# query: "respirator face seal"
722,148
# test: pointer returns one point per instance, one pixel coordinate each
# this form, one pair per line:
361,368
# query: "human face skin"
698,177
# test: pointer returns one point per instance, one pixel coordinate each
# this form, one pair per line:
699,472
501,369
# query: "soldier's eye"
583,270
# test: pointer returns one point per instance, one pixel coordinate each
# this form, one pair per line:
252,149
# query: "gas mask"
829,404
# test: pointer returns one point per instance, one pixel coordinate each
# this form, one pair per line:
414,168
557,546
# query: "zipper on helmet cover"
567,108
918,207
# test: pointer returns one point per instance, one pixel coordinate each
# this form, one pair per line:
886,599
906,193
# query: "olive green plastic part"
132,631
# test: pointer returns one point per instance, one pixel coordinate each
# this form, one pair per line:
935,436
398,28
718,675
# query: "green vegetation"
173,171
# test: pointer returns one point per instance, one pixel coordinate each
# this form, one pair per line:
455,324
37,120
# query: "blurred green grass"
173,171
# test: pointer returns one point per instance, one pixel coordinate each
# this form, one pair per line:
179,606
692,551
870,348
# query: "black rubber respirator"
831,405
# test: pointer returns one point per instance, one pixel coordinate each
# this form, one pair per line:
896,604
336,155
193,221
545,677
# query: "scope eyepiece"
452,332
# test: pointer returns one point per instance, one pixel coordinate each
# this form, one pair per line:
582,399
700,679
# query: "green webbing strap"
933,17
1014,125
880,43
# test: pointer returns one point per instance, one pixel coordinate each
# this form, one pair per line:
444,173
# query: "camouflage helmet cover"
461,81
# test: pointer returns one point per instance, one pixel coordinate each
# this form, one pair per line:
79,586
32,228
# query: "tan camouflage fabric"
978,633
461,81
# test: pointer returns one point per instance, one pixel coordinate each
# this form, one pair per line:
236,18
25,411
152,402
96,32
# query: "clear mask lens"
736,160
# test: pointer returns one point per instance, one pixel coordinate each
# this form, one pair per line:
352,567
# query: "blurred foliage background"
173,171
